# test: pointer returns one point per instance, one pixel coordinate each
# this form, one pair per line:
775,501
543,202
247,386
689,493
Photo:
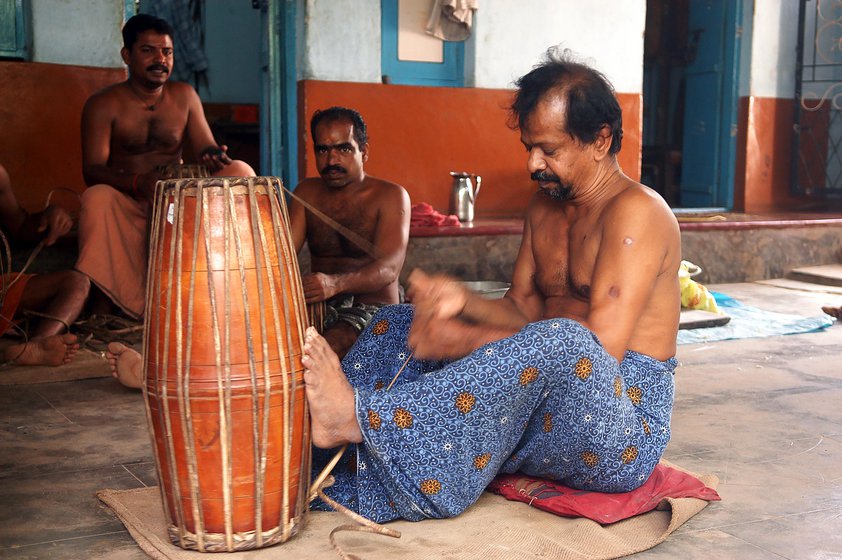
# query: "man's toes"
307,361
116,348
313,352
320,348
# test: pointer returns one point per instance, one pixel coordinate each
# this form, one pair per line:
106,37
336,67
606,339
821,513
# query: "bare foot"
330,396
126,365
833,312
52,350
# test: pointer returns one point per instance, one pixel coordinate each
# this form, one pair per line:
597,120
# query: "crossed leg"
58,297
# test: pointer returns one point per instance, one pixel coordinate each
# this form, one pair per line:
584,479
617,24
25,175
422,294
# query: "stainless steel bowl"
488,288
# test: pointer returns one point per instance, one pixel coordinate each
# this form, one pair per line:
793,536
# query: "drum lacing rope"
352,236
6,268
324,480
363,525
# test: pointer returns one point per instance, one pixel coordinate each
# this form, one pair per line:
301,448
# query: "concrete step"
699,319
826,275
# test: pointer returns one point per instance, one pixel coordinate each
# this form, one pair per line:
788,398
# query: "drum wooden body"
222,363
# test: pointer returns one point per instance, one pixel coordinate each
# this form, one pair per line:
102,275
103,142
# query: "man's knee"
236,168
99,197
64,285
76,283
70,284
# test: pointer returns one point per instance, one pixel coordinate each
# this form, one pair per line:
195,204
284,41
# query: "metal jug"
464,195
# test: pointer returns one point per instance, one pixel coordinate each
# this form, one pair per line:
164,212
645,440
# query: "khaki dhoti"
113,246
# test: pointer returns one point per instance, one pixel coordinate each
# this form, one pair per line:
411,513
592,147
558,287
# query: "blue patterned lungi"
548,401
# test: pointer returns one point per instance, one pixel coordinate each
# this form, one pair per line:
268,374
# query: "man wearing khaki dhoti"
131,132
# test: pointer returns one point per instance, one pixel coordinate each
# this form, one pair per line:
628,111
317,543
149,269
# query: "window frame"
449,73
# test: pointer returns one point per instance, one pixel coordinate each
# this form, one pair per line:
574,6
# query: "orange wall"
40,119
763,164
419,134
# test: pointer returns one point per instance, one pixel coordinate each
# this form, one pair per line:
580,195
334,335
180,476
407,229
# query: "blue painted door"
710,104
12,29
278,106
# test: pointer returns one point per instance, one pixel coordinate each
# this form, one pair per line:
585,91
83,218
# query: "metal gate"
817,138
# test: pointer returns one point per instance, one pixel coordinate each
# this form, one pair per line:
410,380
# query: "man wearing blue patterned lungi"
568,377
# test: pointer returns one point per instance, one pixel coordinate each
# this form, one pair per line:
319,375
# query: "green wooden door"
12,29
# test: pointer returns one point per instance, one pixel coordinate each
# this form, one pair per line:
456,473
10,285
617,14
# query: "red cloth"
602,507
11,297
425,215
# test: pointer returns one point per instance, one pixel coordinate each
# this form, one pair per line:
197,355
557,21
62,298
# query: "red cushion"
602,507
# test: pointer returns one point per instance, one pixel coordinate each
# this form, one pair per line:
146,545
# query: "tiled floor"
764,415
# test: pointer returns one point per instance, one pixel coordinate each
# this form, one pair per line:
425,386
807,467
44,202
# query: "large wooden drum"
223,381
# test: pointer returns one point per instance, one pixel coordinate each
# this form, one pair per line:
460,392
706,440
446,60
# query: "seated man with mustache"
133,134
356,260
568,377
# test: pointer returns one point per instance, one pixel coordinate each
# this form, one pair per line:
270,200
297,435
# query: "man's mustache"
545,177
338,168
156,67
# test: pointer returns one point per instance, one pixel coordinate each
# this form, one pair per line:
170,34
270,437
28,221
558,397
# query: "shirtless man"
354,279
374,209
568,377
131,131
57,297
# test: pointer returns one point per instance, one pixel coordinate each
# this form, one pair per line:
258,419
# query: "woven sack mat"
492,529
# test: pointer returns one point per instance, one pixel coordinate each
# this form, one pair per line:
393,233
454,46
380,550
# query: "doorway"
690,95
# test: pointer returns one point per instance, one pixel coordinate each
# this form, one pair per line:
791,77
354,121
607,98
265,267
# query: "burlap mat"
85,365
493,528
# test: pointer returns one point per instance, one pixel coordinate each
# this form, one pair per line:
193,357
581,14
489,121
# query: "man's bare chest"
564,264
155,133
333,240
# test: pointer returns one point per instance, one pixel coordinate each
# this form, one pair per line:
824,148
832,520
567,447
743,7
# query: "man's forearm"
453,338
500,313
370,278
